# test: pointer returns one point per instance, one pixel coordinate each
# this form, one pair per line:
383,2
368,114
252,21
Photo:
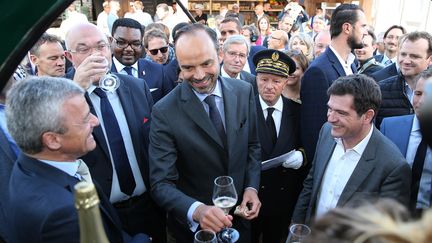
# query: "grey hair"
34,106
236,39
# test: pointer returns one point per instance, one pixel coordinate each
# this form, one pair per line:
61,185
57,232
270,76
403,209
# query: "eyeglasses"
83,49
162,50
233,54
124,44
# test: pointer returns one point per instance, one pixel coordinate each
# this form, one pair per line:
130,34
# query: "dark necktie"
215,117
128,70
116,144
271,128
417,169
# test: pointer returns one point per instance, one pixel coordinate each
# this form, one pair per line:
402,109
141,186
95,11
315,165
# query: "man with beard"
347,29
205,128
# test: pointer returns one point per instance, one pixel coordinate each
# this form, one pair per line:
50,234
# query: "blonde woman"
302,42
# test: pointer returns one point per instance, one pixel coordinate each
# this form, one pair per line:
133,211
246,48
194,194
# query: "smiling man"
364,55
127,48
48,56
354,162
204,128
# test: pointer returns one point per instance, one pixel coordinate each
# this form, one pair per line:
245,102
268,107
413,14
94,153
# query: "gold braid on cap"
273,66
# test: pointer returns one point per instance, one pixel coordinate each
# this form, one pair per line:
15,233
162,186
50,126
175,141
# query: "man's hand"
251,200
212,218
91,70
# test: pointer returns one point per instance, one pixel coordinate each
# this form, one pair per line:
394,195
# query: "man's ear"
51,141
68,55
33,59
369,115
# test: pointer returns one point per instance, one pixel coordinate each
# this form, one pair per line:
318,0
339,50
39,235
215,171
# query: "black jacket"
394,102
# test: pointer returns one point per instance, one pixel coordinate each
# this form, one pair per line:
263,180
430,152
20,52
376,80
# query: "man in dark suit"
353,162
205,128
41,206
279,133
127,48
346,29
234,55
404,131
231,26
120,161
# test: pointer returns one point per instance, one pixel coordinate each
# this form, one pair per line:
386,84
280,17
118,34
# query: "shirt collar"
120,66
226,75
350,58
70,168
361,146
217,92
416,124
278,105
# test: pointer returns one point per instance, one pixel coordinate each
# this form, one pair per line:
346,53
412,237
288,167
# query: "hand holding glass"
225,198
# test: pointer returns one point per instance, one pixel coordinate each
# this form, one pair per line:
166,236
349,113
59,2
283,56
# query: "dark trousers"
272,229
141,215
183,234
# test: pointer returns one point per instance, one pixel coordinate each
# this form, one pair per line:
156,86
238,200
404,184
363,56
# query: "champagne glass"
298,233
205,236
109,82
225,198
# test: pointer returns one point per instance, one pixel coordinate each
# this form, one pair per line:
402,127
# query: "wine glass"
225,198
205,236
297,233
109,82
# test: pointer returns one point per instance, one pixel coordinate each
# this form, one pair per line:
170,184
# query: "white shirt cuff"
192,224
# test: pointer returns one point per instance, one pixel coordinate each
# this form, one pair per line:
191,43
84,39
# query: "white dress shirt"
339,170
277,113
120,68
426,176
116,194
345,64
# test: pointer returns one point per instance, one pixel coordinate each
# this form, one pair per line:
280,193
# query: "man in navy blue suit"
127,48
120,161
347,29
404,131
51,123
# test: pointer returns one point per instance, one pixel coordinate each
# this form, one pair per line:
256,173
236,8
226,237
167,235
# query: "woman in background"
292,89
302,42
263,25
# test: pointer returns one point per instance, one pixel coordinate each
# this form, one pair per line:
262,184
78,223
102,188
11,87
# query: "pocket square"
153,89
145,120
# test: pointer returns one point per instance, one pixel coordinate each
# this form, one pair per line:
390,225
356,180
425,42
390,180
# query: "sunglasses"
162,50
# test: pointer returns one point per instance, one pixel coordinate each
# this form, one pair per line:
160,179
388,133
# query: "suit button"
282,188
262,187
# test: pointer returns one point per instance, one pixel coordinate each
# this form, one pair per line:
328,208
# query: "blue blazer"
252,52
398,129
41,207
154,76
325,69
7,160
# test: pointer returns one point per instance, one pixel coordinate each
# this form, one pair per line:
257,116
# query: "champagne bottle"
90,221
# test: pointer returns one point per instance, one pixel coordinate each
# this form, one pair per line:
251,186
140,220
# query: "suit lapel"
113,68
361,171
405,131
230,108
192,106
335,62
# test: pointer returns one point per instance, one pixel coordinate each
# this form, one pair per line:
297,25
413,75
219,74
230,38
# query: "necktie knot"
83,171
128,70
210,100
270,111
99,92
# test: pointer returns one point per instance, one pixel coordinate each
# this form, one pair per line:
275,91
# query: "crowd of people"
196,102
